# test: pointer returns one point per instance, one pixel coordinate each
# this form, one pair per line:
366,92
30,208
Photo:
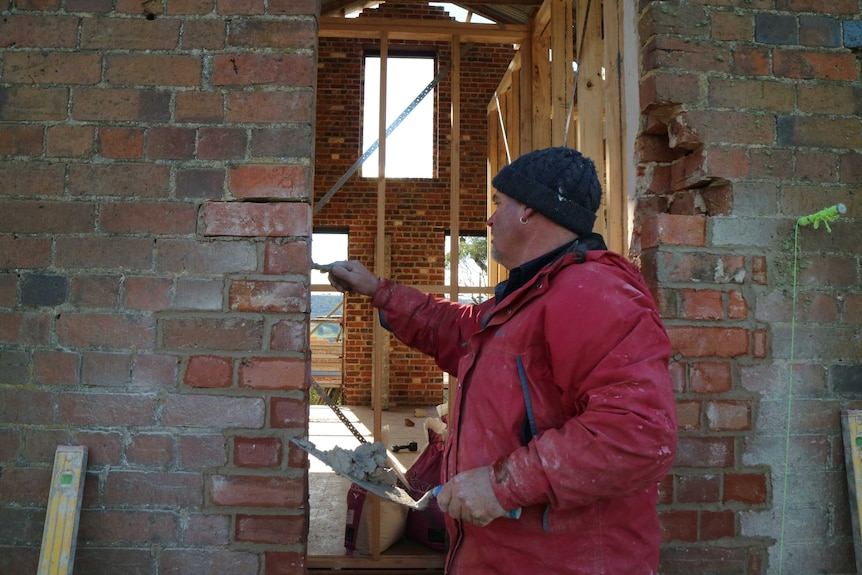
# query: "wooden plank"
616,192
59,537
540,74
591,95
562,75
415,29
851,422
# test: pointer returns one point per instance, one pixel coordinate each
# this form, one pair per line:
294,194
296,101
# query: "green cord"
789,399
824,216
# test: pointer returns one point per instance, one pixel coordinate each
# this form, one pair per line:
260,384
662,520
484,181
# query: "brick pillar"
154,264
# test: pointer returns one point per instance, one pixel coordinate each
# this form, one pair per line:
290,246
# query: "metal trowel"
388,492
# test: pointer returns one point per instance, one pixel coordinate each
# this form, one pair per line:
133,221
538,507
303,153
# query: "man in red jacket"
564,407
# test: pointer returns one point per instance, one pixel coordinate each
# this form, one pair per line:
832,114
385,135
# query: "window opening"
473,286
410,147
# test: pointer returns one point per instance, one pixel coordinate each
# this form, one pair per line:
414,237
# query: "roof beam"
409,29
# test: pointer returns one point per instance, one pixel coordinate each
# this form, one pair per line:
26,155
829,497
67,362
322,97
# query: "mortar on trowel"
365,466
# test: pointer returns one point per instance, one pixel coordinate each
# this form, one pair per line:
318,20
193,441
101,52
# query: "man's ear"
528,212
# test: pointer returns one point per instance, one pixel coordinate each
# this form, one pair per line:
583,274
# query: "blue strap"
522,375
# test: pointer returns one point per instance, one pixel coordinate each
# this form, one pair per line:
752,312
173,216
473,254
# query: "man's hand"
469,496
352,276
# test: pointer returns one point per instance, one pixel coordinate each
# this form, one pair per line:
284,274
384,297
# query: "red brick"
43,31
731,26
272,529
708,341
8,288
759,344
121,143
262,69
69,141
120,105
152,70
20,140
247,219
728,415
52,68
206,529
194,293
152,369
699,489
55,367
147,293
130,34
34,217
216,257
737,307
702,304
127,180
284,562
295,8
817,166
679,525
32,105
256,491
23,329
832,98
257,451
284,33
171,144
150,219
24,253
745,488
769,163
106,331
270,107
155,449
208,561
257,181
688,171
199,106
289,335
688,415
96,291
673,230
200,34
814,65
759,267
274,373
817,307
221,143
268,296
717,525
102,448
102,369
701,452
25,485
213,411
41,444
209,371
751,61
204,333
282,257
732,127
728,162
31,179
242,7
288,413
662,87
202,451
106,409
760,94
132,526
10,441
711,377
666,490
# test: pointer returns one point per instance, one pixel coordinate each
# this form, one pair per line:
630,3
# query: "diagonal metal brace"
397,122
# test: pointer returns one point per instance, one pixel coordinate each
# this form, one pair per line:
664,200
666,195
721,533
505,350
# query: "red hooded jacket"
563,389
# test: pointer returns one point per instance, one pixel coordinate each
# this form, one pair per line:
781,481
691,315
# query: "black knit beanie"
559,183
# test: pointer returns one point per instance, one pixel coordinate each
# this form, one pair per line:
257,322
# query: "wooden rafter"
406,29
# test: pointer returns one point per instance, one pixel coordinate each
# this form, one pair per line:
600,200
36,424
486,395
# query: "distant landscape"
323,304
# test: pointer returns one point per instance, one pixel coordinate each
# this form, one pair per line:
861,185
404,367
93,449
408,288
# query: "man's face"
506,230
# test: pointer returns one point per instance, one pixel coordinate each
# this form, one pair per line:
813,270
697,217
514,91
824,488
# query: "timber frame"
535,106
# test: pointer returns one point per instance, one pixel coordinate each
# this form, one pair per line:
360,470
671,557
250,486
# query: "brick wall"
417,210
154,224
751,120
